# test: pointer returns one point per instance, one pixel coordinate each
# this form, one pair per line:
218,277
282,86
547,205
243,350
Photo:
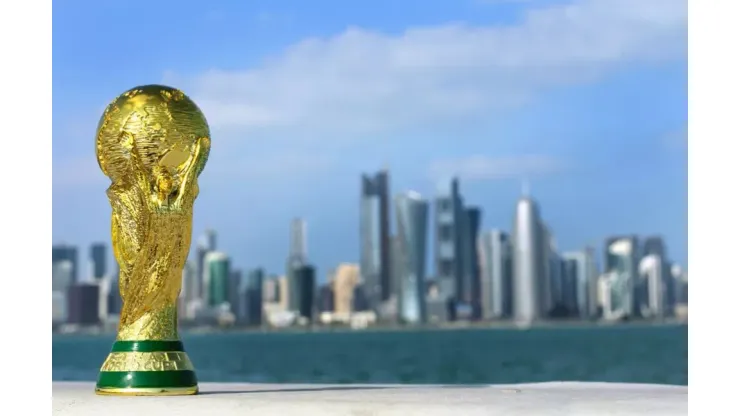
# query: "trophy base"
173,391
147,368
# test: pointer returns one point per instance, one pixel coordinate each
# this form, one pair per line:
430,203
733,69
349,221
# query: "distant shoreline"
400,328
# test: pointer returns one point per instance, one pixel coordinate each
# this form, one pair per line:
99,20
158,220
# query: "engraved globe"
159,123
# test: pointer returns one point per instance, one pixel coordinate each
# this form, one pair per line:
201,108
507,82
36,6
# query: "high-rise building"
83,304
346,279
98,260
283,292
61,275
235,284
496,275
652,287
412,215
206,244
190,284
569,290
621,262
468,285
306,278
251,302
654,245
115,303
530,240
270,289
448,245
375,261
298,244
326,298
577,265
60,252
58,307
218,266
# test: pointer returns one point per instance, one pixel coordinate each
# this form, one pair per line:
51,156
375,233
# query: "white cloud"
361,81
479,167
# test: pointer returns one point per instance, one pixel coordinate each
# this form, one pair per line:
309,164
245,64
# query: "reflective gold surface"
152,142
147,361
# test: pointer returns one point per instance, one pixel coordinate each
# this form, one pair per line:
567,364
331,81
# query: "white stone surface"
541,399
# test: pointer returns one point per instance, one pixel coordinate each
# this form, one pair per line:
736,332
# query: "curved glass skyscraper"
412,214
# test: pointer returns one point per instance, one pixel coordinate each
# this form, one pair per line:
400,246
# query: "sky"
584,99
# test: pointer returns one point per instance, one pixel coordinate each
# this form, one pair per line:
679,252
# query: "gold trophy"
152,142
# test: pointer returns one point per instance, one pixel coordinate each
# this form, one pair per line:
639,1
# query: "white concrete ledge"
541,399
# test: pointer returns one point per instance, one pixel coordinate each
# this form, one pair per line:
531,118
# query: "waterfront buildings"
620,263
412,214
495,253
217,265
529,242
448,244
375,255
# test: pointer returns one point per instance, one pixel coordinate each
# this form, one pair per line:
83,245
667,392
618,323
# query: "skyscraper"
652,285
375,263
297,258
448,244
654,245
83,304
218,266
298,244
496,275
412,215
468,285
621,262
98,259
61,252
577,271
529,240
306,278
61,276
251,300
206,244
346,278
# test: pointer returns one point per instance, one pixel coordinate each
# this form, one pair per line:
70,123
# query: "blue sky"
586,98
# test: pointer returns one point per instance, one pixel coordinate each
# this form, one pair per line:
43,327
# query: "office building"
346,280
61,275
654,245
468,285
375,261
651,287
61,252
621,260
412,215
235,284
115,303
495,253
217,265
580,273
530,243
298,237
250,305
83,304
98,261
326,298
306,278
448,243
58,307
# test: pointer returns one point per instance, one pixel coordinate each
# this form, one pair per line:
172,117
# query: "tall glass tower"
621,258
412,214
449,237
496,275
530,242
375,264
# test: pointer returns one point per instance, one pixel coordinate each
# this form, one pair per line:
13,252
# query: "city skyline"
600,132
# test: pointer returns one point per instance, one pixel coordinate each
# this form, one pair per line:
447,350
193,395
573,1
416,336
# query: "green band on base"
146,379
147,346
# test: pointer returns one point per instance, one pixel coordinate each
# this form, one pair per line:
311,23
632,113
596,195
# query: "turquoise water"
636,354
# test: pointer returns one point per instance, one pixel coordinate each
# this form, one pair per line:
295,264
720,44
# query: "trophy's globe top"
159,123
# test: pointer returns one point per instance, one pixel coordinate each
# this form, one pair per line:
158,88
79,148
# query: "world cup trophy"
152,142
